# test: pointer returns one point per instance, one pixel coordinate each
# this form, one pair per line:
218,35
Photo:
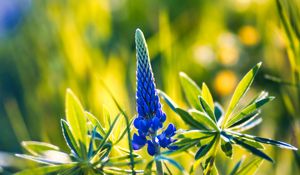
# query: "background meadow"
51,45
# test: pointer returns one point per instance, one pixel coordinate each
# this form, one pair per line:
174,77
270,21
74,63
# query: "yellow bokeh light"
249,36
225,82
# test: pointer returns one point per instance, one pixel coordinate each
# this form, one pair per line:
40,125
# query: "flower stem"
158,163
159,168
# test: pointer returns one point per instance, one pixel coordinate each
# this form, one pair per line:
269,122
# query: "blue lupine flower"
150,116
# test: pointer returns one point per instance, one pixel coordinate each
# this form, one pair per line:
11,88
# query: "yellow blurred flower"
225,82
248,35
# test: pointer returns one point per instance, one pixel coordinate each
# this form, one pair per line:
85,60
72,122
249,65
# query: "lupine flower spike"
150,117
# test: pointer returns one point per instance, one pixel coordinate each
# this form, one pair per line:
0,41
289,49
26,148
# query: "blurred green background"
50,45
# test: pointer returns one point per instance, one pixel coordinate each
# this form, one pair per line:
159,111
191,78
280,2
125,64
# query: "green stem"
158,163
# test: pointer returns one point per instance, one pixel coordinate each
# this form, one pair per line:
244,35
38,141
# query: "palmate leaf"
38,148
240,91
76,118
248,110
46,169
191,90
95,122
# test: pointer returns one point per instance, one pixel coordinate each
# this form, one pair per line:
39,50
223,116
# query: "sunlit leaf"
203,118
207,109
248,110
191,90
46,169
76,118
188,119
203,150
69,138
195,134
237,166
206,95
168,100
171,161
38,148
251,167
240,90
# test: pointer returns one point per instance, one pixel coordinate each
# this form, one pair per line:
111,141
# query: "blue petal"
137,122
155,123
151,148
140,140
170,131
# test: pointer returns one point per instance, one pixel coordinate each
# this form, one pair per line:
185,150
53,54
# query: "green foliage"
90,146
210,127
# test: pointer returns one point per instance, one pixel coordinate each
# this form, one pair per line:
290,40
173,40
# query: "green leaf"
266,141
46,169
207,96
194,134
248,110
253,150
168,100
203,150
171,161
204,119
237,166
49,158
191,90
148,168
240,91
251,167
95,122
69,138
38,148
76,118
105,138
226,147
188,119
207,109
245,120
218,111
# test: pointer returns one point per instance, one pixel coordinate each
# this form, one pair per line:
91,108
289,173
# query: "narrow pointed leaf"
240,91
251,167
191,90
69,138
207,96
168,100
248,110
207,109
76,118
218,111
194,134
188,119
38,148
46,169
237,166
173,162
204,119
203,150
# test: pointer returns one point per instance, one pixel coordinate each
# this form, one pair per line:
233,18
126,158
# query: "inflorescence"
150,117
